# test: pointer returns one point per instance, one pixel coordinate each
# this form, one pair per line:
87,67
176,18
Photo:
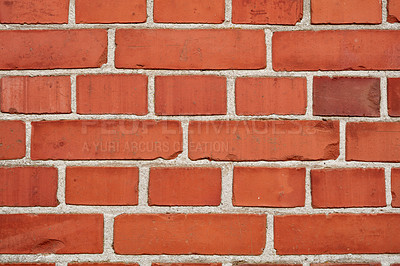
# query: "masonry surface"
199,132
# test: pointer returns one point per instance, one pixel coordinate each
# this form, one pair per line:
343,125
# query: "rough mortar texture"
269,254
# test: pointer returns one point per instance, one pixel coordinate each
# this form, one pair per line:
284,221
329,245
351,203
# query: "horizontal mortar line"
131,209
223,72
202,258
180,162
191,26
183,162
185,118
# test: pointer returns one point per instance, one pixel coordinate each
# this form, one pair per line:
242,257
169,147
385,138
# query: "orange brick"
12,139
115,11
263,140
336,50
373,141
337,234
185,186
395,187
393,9
266,96
268,187
51,233
34,12
343,188
208,234
102,185
281,12
28,186
346,11
189,11
190,49
50,49
36,95
126,94
105,139
190,95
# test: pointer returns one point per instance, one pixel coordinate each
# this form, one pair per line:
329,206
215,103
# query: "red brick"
36,95
395,187
281,12
50,49
28,186
116,11
12,139
190,95
266,96
125,94
34,12
374,142
393,9
189,11
208,234
342,96
393,91
51,233
105,139
346,11
343,188
185,186
336,50
263,140
268,187
102,185
337,234
190,49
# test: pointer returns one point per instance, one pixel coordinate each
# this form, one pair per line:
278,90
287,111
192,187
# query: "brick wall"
199,132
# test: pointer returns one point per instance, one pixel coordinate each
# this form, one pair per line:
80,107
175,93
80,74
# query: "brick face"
50,49
39,95
28,186
213,234
376,142
190,95
336,234
266,96
346,11
114,186
268,187
343,188
335,50
395,181
263,140
98,11
34,12
342,96
189,11
199,132
393,91
185,186
51,233
190,49
110,139
126,94
393,9
12,139
279,12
